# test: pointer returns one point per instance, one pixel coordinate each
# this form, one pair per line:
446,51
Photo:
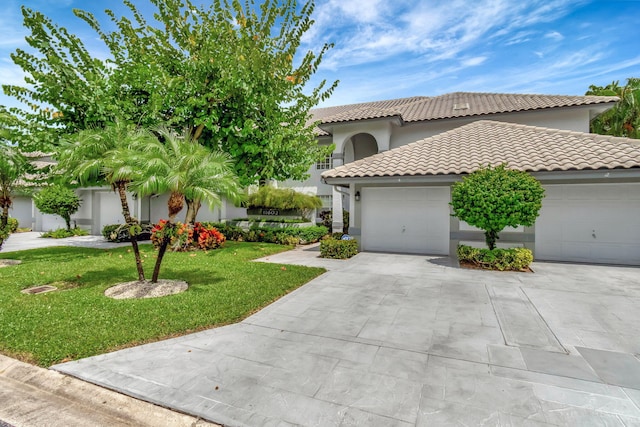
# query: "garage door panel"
412,220
590,223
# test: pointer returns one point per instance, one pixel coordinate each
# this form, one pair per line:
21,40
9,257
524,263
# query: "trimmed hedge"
513,259
282,236
338,249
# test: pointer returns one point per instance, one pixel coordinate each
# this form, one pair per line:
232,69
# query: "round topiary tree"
493,198
58,200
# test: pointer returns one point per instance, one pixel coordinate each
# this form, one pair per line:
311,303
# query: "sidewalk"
32,240
33,396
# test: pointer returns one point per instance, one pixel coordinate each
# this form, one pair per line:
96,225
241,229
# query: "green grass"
79,321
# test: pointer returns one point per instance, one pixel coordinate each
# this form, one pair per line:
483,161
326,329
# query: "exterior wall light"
357,196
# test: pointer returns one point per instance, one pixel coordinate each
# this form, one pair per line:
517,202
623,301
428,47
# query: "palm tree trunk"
4,218
193,206
161,252
122,187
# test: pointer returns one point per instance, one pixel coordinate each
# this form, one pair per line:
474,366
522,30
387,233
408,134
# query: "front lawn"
79,321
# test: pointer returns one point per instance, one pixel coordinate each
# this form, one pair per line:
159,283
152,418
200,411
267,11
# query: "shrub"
338,249
12,225
493,198
327,220
310,234
230,232
496,259
62,233
207,237
181,236
283,198
4,233
58,200
120,232
185,237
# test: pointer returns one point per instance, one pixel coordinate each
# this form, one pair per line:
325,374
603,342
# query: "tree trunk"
193,206
122,187
161,252
67,220
490,237
4,218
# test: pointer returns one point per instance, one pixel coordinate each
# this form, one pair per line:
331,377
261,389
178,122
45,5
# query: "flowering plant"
184,237
208,237
180,235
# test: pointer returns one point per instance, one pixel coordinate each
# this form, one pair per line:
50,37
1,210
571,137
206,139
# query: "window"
326,201
325,164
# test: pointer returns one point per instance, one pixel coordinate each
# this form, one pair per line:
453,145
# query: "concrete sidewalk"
32,396
401,340
32,240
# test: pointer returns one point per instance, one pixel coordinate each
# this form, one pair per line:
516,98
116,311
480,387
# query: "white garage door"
411,220
590,223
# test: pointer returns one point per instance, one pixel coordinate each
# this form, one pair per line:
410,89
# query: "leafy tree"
58,200
232,72
67,88
104,156
183,168
493,198
624,118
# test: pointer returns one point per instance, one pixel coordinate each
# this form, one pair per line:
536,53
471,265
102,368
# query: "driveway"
401,340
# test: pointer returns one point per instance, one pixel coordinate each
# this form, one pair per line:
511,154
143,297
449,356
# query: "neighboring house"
590,212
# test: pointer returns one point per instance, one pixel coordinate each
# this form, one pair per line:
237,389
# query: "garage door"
590,223
410,220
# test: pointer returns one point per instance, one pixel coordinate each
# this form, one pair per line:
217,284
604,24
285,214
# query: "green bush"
283,236
493,198
4,233
338,249
327,220
58,200
62,233
310,234
12,225
120,232
497,259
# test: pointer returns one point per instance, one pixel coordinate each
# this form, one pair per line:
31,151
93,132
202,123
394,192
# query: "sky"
401,48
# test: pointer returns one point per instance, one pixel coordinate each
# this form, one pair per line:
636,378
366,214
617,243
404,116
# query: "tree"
185,169
104,156
58,200
230,72
624,118
493,198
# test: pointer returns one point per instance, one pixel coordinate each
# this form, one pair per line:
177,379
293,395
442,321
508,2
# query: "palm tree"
104,156
185,169
13,166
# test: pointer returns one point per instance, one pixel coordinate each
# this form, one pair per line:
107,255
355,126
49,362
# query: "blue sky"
390,49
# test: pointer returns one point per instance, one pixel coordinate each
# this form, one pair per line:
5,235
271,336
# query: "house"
361,130
398,196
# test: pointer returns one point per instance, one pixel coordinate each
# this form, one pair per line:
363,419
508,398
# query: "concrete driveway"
400,340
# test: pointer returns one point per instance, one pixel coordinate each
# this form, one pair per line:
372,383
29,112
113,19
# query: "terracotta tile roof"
451,105
465,149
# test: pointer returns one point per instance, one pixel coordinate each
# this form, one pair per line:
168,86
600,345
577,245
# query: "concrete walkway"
400,340
32,240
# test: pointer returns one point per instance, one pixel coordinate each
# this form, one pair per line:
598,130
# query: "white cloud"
554,35
472,62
